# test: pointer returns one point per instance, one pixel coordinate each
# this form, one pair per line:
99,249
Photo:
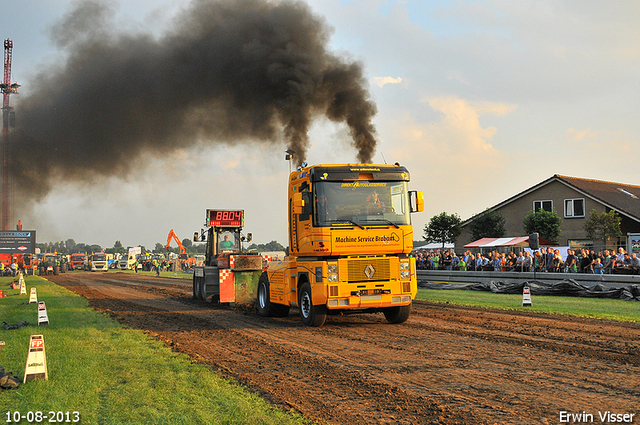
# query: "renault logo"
369,271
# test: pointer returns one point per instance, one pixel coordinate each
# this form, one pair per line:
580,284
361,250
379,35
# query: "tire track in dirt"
445,365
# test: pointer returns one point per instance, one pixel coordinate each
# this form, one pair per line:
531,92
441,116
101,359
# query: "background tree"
268,247
490,224
116,249
70,245
545,223
83,247
602,227
443,228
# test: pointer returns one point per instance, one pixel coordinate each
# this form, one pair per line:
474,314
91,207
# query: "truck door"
300,223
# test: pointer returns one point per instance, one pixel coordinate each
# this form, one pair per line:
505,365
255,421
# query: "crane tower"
7,117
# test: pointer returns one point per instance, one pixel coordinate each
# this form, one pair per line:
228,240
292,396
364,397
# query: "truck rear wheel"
312,315
398,314
203,289
263,303
195,287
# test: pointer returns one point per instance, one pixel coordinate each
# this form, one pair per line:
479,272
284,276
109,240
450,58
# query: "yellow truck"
350,236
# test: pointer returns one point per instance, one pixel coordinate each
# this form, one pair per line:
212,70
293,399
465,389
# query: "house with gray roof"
572,199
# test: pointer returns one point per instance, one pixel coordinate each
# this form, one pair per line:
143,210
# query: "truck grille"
368,269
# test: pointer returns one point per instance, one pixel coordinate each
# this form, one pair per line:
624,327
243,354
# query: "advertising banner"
17,241
374,241
633,243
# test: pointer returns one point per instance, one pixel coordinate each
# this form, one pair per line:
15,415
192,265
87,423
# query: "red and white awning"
499,242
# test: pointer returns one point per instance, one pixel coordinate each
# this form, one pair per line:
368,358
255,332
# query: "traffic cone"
526,296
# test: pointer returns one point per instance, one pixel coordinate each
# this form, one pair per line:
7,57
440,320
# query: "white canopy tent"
433,245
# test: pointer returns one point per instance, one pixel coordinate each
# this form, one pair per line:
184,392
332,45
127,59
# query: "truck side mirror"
416,201
298,203
302,204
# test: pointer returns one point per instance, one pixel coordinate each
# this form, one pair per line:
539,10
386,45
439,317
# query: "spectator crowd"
543,260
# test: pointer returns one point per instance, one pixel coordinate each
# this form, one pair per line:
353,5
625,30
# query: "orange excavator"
183,252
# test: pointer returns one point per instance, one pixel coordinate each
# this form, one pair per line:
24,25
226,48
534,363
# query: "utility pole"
7,116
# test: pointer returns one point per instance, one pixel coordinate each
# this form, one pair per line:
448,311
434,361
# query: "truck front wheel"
312,315
398,314
263,303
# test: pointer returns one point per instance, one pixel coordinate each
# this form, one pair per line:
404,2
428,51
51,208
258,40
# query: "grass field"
110,374
599,308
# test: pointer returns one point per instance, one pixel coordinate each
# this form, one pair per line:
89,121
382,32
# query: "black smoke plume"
227,71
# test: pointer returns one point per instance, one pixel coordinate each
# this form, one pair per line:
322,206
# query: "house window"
574,207
543,205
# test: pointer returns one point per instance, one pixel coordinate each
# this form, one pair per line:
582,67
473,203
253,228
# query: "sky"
480,100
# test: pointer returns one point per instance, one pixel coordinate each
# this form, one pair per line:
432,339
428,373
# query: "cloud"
230,164
493,108
580,135
381,81
455,134
460,126
451,155
457,75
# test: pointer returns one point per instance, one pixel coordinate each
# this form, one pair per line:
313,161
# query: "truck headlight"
405,273
332,275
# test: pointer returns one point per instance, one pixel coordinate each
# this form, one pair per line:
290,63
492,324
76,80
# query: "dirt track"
445,365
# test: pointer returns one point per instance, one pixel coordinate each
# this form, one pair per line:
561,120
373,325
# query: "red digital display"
225,218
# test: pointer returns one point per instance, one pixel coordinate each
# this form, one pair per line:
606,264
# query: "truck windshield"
363,203
228,239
